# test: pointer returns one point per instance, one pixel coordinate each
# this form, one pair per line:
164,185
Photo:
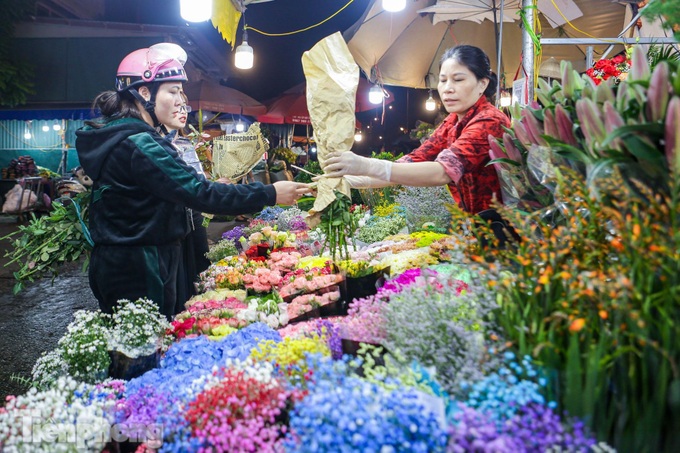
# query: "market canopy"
404,48
210,95
291,106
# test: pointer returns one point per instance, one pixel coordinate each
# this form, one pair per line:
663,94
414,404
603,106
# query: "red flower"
180,329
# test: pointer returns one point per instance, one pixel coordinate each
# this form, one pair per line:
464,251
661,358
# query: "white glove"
365,182
347,163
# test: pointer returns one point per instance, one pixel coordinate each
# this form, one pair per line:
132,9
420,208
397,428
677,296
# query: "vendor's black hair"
477,62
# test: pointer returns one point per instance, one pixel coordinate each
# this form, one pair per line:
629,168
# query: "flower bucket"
359,287
336,308
124,367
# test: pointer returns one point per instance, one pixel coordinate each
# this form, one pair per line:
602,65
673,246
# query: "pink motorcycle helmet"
162,62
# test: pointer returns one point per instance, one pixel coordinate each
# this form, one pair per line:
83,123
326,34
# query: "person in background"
195,244
141,186
457,152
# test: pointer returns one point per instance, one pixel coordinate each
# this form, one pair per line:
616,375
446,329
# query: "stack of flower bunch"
308,288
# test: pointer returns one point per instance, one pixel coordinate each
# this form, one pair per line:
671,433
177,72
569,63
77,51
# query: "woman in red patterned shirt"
457,152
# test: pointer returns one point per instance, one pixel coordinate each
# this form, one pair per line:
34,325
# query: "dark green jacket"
141,186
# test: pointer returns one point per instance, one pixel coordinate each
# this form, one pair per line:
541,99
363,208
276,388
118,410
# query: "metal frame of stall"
528,47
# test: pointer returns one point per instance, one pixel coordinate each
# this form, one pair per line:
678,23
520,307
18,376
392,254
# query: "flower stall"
565,340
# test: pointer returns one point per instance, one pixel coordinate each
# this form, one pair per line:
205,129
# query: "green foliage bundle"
50,241
312,166
338,225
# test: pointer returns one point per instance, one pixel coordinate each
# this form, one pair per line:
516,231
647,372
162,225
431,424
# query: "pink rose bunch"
305,284
262,279
306,302
231,303
284,261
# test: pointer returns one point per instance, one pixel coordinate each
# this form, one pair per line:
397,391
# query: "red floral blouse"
462,147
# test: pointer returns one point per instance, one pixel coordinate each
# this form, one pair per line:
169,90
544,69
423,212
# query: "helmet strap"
150,105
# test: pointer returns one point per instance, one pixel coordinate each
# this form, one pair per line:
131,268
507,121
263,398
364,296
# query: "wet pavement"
33,321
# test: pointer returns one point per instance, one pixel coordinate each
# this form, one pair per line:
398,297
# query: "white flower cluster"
136,327
56,420
268,311
84,347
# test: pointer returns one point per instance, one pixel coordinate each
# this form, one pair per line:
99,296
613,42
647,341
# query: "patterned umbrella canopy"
404,48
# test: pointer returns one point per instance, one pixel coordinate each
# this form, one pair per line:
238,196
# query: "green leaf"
45,257
504,160
647,129
574,387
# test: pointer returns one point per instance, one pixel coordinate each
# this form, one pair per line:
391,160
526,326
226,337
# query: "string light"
56,126
240,127
357,136
195,10
45,128
393,6
430,104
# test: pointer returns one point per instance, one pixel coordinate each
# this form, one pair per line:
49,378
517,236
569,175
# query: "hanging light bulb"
357,136
375,95
243,57
27,135
195,10
56,126
240,127
393,5
45,128
430,104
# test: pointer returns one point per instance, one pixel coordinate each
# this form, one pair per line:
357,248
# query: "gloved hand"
347,163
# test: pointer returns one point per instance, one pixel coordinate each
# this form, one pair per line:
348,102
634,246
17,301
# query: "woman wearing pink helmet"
141,188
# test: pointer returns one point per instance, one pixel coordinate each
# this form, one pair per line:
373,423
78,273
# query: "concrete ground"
33,321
